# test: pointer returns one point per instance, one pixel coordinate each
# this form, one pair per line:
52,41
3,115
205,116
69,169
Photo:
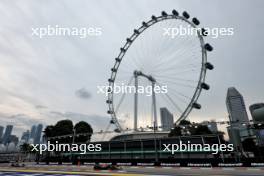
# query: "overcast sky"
49,79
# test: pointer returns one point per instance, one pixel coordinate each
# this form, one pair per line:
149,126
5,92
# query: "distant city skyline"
33,136
47,80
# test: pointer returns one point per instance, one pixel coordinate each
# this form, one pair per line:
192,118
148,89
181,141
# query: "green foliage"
49,131
175,132
185,122
82,127
65,127
200,130
186,127
26,148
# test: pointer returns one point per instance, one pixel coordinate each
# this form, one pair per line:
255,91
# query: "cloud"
83,93
21,122
98,122
40,107
25,120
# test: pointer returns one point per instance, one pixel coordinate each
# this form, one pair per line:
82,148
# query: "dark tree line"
65,127
185,127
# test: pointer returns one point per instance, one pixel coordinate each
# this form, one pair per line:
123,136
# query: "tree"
83,127
48,132
63,127
25,148
200,130
185,122
175,132
185,127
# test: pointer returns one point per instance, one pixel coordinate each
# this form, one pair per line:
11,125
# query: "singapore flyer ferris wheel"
154,56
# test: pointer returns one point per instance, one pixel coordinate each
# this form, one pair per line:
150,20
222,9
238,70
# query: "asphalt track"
128,171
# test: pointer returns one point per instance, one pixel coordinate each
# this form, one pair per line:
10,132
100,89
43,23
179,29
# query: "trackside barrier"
166,164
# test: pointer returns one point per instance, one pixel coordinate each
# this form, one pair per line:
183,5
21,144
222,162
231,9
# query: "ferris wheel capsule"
163,13
209,66
186,15
175,13
197,106
196,21
208,47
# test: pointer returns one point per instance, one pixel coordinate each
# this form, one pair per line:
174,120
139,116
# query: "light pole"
136,100
73,140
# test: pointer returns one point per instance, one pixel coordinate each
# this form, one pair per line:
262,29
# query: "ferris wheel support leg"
136,102
154,106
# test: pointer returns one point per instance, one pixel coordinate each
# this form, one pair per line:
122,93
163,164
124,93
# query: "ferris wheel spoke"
170,69
131,62
182,54
173,103
174,61
180,96
169,59
169,80
162,43
168,104
173,91
174,78
123,95
178,84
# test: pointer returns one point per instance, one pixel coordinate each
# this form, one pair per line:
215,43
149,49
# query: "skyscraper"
166,119
13,139
236,107
8,131
1,131
25,136
32,132
38,134
257,112
238,116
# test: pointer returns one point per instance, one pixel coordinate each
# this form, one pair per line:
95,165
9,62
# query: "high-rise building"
13,139
25,136
7,134
166,119
236,107
38,134
257,112
1,131
238,117
32,132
